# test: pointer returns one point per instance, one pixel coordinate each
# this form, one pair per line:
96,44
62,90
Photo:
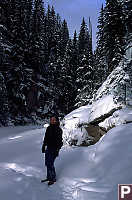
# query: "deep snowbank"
82,172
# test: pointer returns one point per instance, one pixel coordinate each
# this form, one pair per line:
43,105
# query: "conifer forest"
44,70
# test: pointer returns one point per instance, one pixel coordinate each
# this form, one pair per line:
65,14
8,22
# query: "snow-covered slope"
103,107
82,172
118,84
112,106
114,94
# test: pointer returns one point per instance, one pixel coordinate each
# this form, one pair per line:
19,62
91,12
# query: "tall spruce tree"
113,33
18,76
101,68
4,110
82,37
90,39
85,66
49,25
53,62
127,13
64,37
38,36
68,76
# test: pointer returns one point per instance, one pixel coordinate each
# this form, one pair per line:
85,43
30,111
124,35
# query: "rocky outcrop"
97,128
100,119
95,132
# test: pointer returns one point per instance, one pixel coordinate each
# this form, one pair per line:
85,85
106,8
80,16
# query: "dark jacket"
53,138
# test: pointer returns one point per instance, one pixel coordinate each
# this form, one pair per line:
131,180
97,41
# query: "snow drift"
82,172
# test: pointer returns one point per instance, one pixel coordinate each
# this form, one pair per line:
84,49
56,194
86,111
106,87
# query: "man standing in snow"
51,145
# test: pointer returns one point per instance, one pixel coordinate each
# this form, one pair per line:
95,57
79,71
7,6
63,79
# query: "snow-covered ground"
82,172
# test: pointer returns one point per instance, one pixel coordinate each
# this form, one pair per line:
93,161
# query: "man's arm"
60,139
45,141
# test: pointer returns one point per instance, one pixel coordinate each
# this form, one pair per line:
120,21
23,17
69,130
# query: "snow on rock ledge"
103,108
123,116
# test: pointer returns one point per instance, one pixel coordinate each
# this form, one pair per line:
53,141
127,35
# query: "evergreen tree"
5,44
90,38
4,110
85,92
85,66
5,49
64,37
127,13
68,76
38,37
75,57
53,62
82,37
113,33
53,31
49,30
17,75
57,44
101,68
58,34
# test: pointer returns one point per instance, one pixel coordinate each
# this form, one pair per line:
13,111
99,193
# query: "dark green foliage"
114,33
68,76
43,70
64,37
37,49
42,61
82,37
4,110
110,39
127,11
101,67
84,77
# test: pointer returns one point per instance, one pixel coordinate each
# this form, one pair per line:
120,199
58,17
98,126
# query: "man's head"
54,120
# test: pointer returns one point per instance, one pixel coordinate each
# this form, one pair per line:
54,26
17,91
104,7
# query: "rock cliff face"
95,132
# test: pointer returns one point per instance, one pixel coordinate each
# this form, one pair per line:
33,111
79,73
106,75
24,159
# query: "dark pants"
50,156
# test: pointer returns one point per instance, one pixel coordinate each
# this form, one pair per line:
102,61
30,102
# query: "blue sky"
74,10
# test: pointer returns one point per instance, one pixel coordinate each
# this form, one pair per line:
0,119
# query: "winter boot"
44,180
51,182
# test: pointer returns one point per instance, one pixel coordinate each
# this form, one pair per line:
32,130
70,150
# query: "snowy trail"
22,167
83,173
